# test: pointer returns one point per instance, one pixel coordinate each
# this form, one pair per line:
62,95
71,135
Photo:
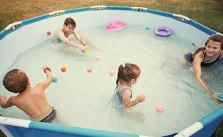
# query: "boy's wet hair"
15,81
69,21
216,38
127,72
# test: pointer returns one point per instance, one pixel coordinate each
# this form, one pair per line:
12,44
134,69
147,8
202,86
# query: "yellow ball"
65,65
87,50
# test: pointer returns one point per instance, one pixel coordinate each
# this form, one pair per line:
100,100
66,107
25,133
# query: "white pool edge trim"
56,12
141,8
13,25
181,16
219,33
14,122
98,7
190,130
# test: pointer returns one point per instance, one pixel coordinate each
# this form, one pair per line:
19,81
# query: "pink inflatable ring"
117,25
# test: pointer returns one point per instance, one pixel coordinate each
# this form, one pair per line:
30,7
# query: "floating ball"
65,65
89,70
58,41
220,96
48,33
63,69
159,108
97,58
147,28
87,50
111,73
55,79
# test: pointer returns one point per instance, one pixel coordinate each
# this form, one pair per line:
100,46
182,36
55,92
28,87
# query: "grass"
219,131
2,134
206,12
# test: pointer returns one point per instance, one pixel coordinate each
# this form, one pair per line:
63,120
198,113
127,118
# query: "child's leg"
188,58
139,116
56,47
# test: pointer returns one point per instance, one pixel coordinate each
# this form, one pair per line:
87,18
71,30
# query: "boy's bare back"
31,100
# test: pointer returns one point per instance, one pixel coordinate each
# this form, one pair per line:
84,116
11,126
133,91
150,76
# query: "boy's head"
69,25
15,81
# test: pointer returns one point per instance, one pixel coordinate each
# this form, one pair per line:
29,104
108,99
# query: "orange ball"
48,33
63,69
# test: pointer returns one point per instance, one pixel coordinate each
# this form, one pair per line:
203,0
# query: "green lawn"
206,12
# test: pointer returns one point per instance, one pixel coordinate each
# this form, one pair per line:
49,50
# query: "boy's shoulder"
59,30
38,88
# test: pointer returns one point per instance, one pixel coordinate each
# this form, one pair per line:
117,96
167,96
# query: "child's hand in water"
2,99
216,97
84,48
141,98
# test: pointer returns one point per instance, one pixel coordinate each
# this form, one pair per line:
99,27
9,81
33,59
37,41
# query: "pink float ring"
117,25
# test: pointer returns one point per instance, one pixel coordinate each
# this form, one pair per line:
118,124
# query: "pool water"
83,99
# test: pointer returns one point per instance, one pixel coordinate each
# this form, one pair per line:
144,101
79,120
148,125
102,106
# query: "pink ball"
159,108
111,73
89,70
97,58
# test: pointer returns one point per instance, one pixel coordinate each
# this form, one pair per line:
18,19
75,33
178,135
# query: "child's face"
213,48
69,28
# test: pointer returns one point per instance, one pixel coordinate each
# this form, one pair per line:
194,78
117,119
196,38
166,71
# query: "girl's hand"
216,97
141,98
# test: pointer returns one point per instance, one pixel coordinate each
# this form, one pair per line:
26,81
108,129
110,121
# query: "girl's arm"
198,58
126,99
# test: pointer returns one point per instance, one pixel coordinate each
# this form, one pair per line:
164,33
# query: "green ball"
220,96
55,79
58,41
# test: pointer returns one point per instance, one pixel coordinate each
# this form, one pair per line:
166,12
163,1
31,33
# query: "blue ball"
220,96
58,41
147,28
55,79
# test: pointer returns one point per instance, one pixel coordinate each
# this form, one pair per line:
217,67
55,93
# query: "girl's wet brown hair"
215,38
127,72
